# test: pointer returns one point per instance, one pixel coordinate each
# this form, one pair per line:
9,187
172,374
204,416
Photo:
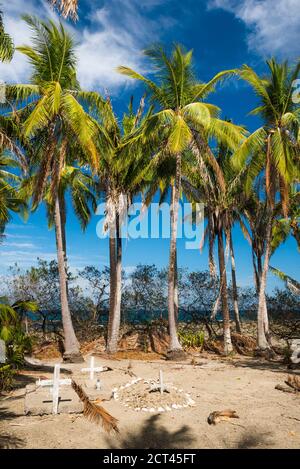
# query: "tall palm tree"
277,140
181,117
6,43
123,160
219,187
53,109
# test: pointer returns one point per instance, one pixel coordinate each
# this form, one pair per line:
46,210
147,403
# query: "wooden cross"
160,387
93,369
54,384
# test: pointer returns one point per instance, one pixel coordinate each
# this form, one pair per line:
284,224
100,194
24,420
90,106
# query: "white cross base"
160,386
93,369
54,384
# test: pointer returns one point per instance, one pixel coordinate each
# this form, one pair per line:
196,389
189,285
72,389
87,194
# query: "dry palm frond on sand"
218,416
95,413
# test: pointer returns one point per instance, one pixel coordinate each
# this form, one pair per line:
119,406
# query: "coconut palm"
6,43
180,119
278,142
219,187
123,161
10,199
53,110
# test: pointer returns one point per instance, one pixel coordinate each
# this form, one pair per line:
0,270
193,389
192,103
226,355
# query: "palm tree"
10,199
66,7
219,186
6,43
53,110
180,119
122,163
277,141
290,282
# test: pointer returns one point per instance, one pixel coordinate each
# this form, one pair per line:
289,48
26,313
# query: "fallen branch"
218,416
279,387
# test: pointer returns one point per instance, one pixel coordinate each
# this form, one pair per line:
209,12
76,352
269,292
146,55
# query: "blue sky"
224,34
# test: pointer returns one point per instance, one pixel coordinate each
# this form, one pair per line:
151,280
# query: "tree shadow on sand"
260,364
152,435
8,441
252,438
6,414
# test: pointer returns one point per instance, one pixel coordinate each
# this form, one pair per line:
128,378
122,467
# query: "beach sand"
268,418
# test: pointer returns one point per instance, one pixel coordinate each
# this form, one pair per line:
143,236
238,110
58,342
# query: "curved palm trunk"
174,342
234,288
115,245
224,295
71,345
262,313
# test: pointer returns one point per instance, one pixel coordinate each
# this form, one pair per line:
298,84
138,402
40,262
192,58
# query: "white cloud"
114,34
273,25
18,245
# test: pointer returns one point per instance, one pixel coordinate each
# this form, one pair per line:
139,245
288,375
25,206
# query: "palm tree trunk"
112,278
262,314
224,295
115,288
234,288
71,345
62,206
174,342
255,271
176,297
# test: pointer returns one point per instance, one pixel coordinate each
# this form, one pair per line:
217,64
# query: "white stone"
161,409
144,409
168,408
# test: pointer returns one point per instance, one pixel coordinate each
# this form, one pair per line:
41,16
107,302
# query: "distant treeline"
144,296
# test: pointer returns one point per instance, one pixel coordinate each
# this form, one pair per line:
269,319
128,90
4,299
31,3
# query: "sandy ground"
268,418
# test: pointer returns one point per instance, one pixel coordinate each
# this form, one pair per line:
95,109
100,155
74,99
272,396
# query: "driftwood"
279,387
217,416
293,385
294,382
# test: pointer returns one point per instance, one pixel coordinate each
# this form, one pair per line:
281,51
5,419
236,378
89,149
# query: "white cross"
160,387
54,384
93,369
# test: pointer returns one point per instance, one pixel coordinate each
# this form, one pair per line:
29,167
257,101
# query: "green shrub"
6,377
191,339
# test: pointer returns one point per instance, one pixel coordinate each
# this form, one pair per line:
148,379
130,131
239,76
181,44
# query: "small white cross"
93,369
54,384
160,386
